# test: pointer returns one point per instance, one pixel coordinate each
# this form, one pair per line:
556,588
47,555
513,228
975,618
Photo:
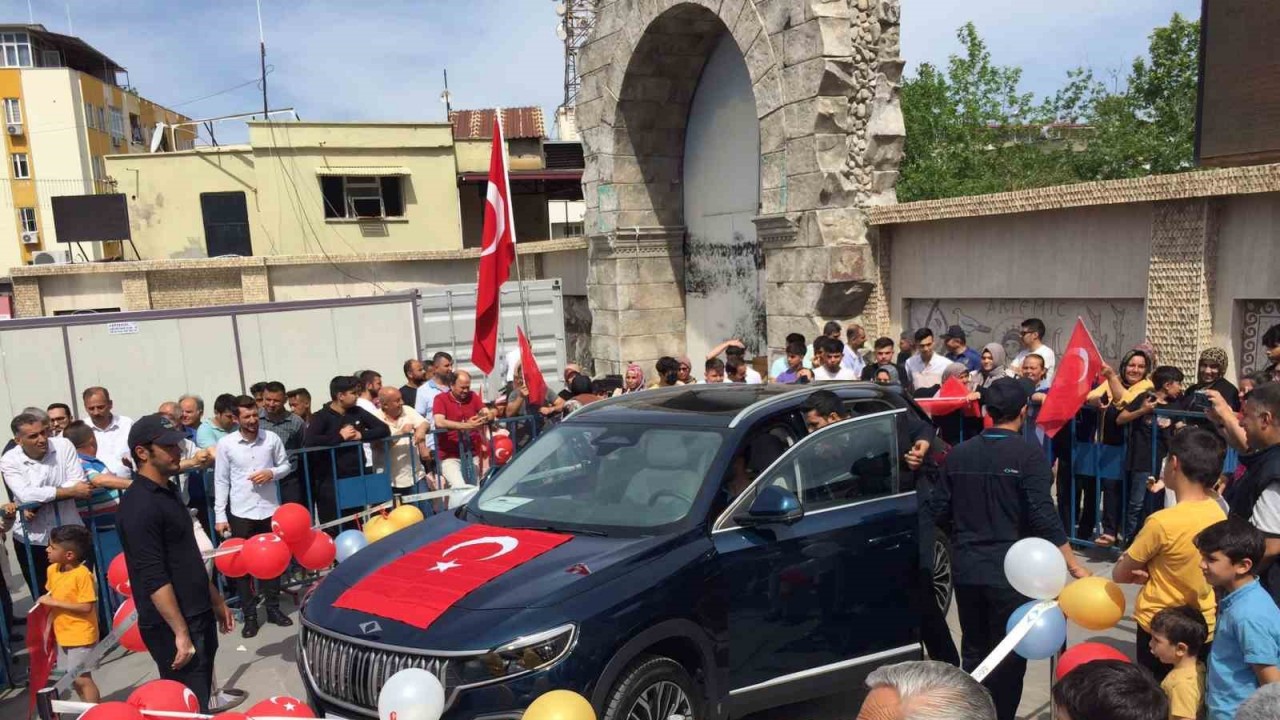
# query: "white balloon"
411,694
1036,568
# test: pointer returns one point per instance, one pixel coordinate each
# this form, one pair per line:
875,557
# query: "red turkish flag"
529,369
952,396
498,250
1077,368
41,652
422,585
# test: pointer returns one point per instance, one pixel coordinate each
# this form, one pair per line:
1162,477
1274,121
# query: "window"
102,119
117,123
21,169
135,130
99,168
362,197
15,50
50,58
850,462
28,218
90,119
12,111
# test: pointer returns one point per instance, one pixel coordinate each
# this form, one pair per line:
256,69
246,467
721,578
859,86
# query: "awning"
372,171
571,174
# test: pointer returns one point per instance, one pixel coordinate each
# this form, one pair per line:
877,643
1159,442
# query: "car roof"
723,405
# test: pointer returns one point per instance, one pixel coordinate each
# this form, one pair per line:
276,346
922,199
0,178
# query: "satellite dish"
157,137
561,32
561,9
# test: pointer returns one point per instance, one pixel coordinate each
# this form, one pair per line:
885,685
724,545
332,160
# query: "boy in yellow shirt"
1163,557
72,600
1177,635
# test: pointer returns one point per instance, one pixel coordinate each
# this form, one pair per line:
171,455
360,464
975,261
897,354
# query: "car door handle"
889,541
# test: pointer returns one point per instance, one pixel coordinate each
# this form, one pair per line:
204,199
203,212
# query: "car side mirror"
772,505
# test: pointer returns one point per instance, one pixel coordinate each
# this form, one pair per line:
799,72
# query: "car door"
829,592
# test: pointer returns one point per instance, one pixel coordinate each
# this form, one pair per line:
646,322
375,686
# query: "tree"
971,131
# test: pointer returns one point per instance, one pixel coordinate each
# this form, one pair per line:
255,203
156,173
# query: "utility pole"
262,55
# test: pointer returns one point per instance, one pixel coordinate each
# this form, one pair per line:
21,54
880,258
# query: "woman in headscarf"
955,427
632,380
993,367
1133,379
1211,374
685,374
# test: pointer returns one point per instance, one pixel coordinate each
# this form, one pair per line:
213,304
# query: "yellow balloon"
1094,603
404,516
560,705
378,528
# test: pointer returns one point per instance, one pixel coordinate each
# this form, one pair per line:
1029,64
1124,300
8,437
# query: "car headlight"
518,657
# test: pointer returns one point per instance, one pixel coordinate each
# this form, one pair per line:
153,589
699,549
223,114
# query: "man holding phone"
460,409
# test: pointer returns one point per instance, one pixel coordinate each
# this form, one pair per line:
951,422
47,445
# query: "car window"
852,462
605,476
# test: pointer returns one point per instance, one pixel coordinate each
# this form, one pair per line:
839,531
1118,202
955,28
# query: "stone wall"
825,75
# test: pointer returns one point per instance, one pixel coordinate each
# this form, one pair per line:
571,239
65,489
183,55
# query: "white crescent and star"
1084,364
494,198
505,545
189,700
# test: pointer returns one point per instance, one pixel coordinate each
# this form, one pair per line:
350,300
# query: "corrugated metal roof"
517,123
367,171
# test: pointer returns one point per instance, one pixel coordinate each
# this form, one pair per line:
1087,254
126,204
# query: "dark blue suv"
699,581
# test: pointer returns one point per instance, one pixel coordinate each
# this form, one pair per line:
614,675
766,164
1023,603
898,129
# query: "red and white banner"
41,649
1077,368
422,585
498,250
952,396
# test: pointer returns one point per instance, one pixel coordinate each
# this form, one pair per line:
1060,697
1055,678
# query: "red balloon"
231,565
112,711
132,638
317,553
503,449
1078,655
292,523
281,706
118,576
265,556
165,696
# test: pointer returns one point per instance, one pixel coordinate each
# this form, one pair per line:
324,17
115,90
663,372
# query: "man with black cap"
992,492
179,609
958,351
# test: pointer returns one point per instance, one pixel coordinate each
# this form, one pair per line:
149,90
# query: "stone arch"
824,74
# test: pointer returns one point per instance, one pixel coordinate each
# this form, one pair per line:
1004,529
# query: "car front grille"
351,673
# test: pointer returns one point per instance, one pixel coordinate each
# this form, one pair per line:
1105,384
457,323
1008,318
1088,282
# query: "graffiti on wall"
1258,316
1116,325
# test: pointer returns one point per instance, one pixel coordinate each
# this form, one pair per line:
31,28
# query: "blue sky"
383,59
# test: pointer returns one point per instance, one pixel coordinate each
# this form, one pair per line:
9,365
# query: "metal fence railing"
370,487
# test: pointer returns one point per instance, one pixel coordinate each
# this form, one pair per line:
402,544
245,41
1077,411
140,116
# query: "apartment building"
66,107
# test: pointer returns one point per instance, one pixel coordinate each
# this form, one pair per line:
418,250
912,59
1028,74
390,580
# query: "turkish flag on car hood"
1077,368
422,585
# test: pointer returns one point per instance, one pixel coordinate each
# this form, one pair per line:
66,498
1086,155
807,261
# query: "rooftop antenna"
262,56
446,97
71,29
577,20
31,15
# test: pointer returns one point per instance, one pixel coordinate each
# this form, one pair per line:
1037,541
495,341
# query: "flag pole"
511,223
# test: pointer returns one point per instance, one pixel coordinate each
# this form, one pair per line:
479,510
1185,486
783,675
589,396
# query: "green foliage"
970,131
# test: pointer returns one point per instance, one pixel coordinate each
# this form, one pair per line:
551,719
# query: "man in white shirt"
245,480
736,350
111,430
1032,336
402,420
832,365
855,341
41,470
925,368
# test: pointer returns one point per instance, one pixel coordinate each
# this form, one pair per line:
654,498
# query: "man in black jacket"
992,492
339,422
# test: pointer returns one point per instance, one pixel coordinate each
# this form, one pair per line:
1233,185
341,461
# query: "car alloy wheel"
943,588
654,688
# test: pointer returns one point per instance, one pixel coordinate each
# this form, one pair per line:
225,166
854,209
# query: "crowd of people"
1194,538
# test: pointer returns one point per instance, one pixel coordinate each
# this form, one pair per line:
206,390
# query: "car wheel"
943,585
653,688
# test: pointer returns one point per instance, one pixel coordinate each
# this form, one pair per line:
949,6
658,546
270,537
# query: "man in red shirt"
458,409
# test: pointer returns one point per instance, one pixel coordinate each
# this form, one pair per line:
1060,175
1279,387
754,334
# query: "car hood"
561,573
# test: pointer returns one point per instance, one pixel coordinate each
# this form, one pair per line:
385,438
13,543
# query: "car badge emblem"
370,627
579,569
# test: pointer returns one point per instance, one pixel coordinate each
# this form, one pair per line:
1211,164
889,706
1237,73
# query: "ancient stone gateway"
733,147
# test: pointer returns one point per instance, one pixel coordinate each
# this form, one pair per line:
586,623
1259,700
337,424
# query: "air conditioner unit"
31,237
51,257
15,129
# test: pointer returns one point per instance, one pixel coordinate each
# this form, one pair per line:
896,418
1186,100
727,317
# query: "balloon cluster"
381,525
416,694
1036,568
169,696
267,555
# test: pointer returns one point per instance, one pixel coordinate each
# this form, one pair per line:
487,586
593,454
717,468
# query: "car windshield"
608,477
